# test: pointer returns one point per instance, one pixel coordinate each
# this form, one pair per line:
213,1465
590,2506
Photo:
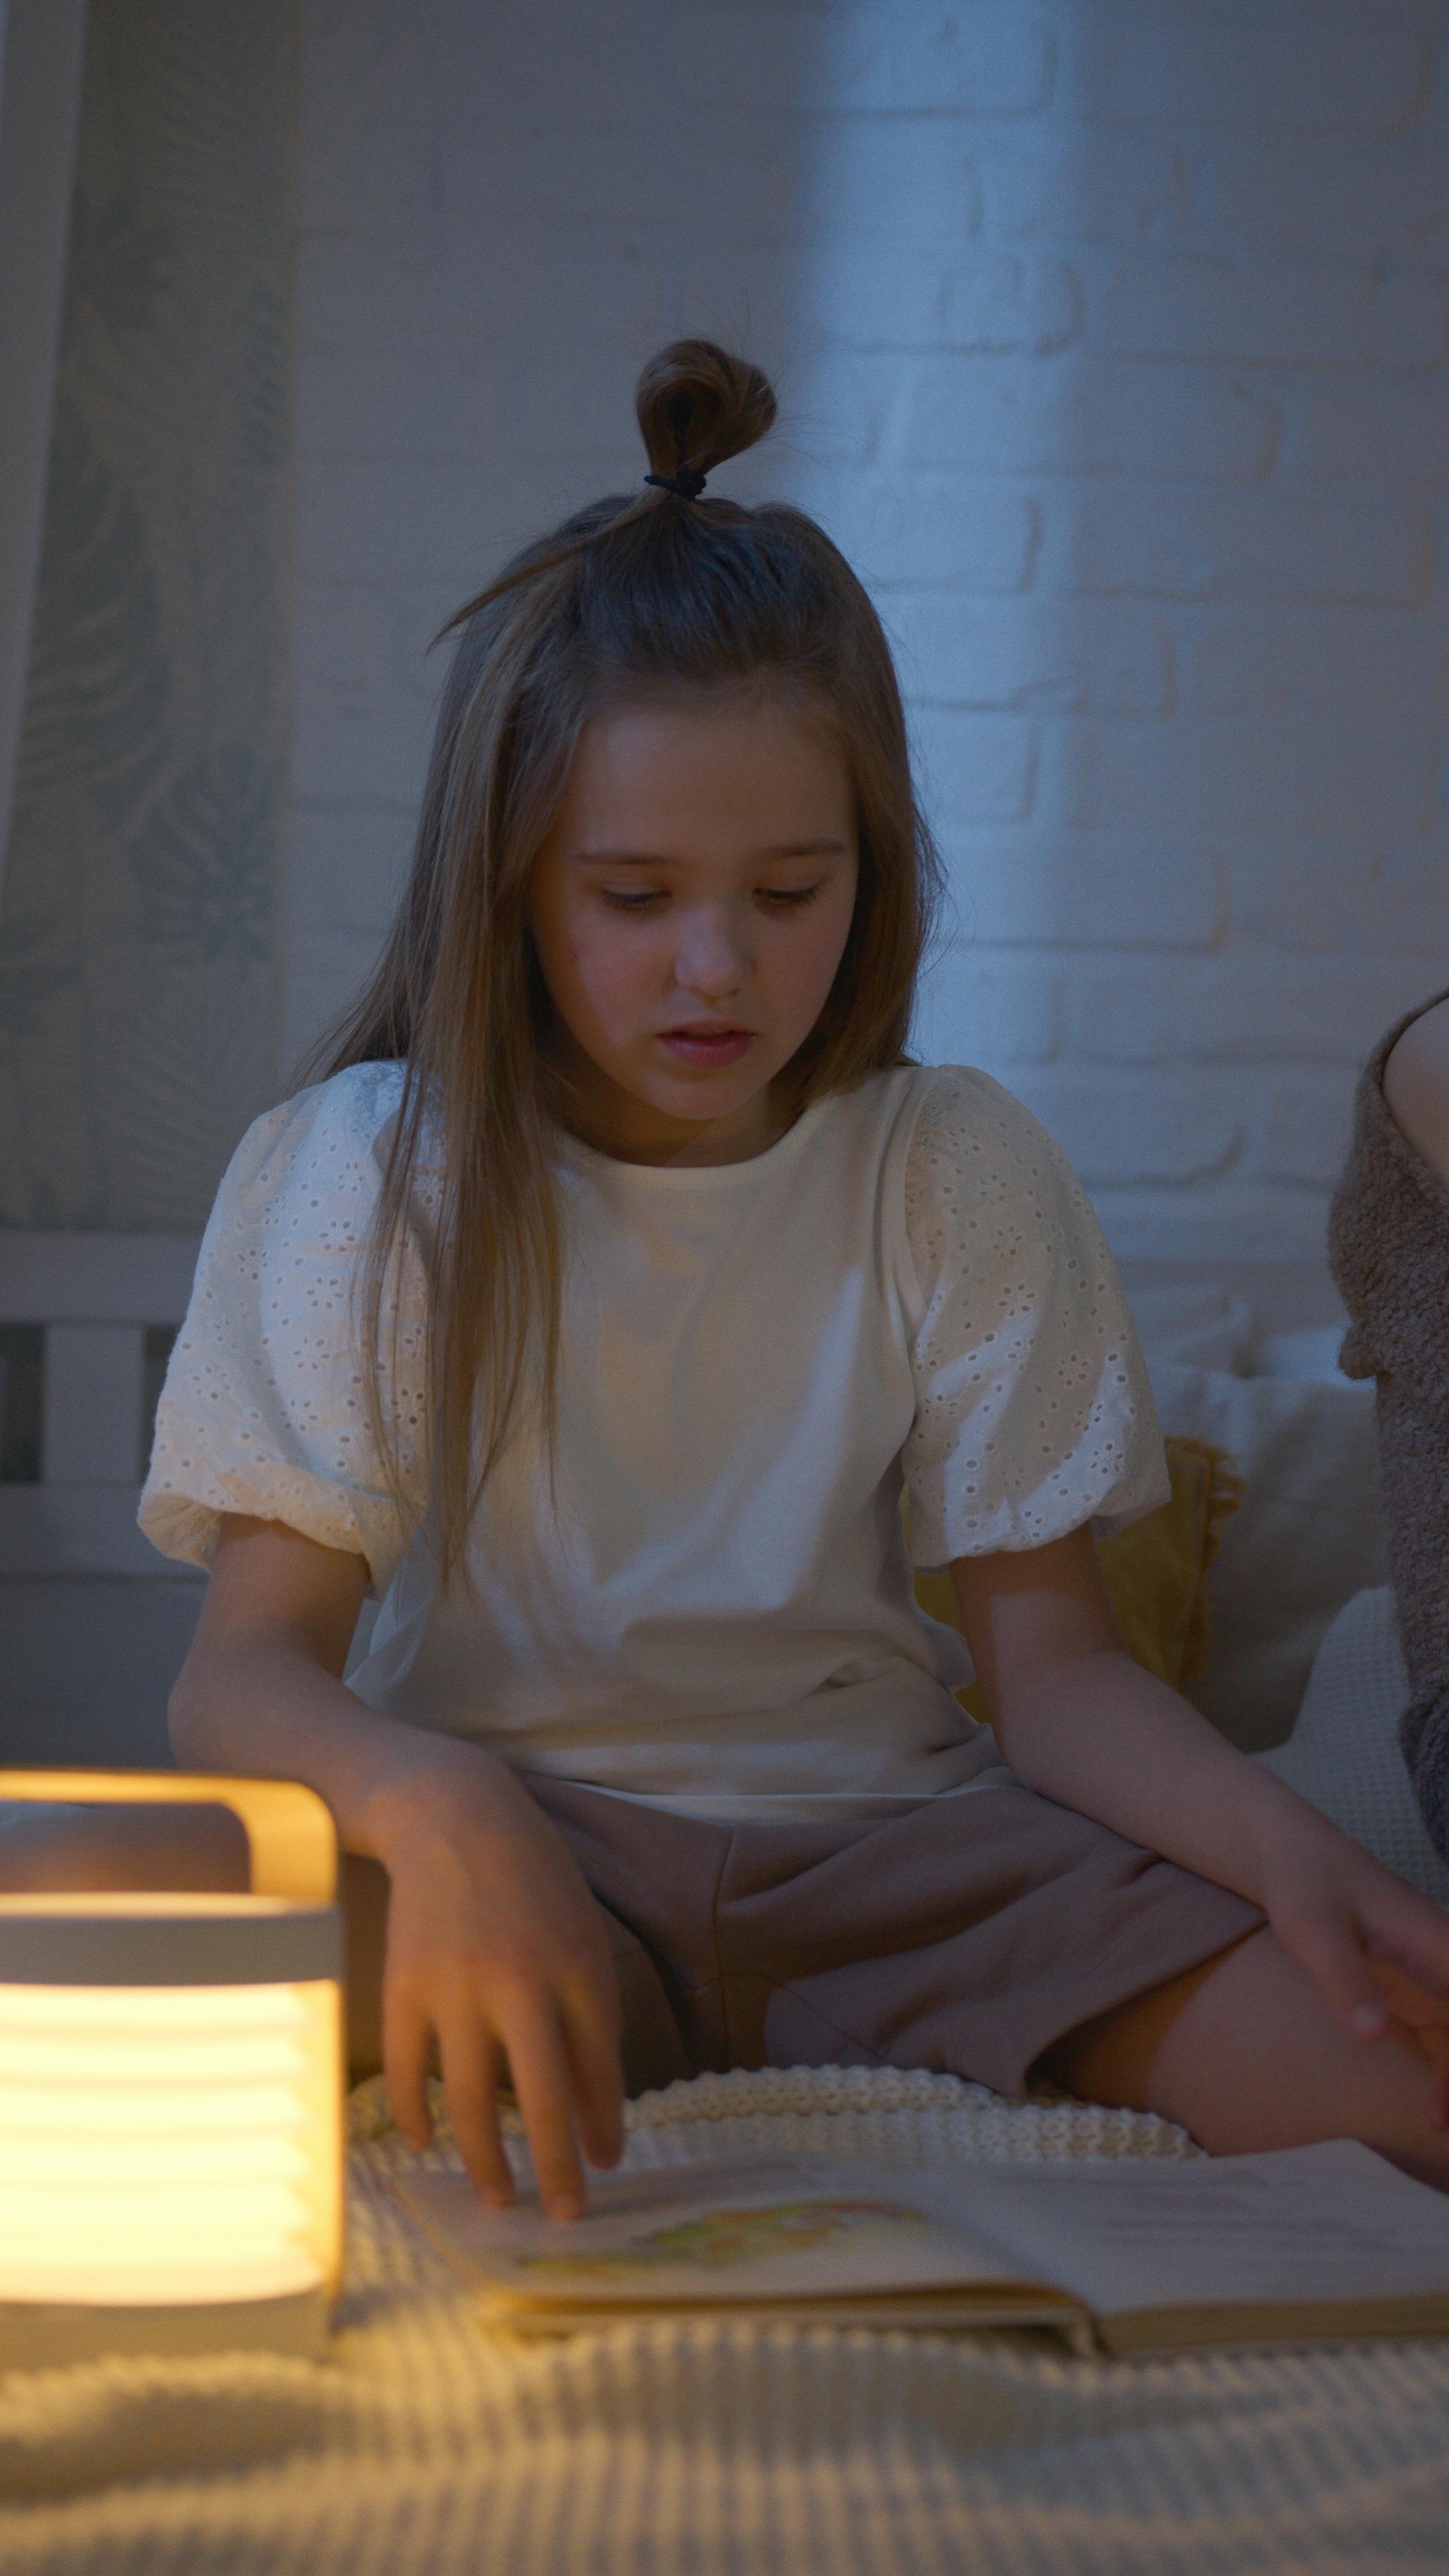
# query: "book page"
1305,2224
714,2234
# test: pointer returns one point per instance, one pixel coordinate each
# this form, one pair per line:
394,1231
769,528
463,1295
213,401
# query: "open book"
1134,2255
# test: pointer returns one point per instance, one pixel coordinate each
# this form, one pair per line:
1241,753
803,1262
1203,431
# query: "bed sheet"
428,2444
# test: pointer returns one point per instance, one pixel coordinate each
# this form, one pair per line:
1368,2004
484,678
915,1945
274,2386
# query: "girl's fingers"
1332,1952
470,2081
1327,1946
405,2034
1434,2041
1415,1939
538,2063
1426,2017
1422,2017
598,2082
1407,2000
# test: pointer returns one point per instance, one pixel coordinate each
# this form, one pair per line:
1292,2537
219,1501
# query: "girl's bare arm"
1078,1719
496,1949
1083,1723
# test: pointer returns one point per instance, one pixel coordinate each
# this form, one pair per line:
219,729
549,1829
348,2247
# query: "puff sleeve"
1033,1411
264,1410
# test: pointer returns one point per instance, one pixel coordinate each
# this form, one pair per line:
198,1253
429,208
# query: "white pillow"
1194,1320
1308,1535
1343,1755
1308,1351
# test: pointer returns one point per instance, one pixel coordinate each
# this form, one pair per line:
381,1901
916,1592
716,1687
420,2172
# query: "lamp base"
35,2335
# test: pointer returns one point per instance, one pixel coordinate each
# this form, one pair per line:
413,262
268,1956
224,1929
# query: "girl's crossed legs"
996,1936
1243,2051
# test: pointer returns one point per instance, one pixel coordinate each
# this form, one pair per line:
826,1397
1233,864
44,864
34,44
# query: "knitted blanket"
429,2446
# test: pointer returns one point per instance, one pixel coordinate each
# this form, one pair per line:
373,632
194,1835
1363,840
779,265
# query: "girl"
593,1311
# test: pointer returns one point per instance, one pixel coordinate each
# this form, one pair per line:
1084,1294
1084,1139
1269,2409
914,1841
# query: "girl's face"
689,910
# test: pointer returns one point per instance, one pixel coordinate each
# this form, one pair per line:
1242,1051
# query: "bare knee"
1244,2053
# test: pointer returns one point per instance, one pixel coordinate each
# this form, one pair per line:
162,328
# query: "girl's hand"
1078,1720
1376,1949
495,1948
497,1951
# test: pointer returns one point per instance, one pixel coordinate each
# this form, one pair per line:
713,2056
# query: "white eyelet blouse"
717,1616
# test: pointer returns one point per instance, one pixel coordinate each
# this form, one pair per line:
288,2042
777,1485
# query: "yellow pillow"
1154,1572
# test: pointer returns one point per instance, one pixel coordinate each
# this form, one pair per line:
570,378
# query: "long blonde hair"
632,597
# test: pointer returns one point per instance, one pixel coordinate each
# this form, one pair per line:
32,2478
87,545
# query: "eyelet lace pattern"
264,1409
1032,1407
1033,1412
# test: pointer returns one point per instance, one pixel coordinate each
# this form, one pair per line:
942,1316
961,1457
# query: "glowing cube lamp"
171,2078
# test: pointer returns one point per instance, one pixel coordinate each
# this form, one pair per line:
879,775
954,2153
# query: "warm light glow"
165,2143
171,2071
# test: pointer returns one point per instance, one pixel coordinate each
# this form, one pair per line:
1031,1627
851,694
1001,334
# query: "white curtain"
42,43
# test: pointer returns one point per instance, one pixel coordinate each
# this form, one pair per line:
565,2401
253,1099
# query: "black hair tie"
684,480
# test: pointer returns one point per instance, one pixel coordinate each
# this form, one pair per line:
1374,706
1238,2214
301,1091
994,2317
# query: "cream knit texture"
430,2446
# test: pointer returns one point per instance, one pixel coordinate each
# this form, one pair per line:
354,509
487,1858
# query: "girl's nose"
714,956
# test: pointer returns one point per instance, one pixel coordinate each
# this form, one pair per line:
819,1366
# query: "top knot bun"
696,405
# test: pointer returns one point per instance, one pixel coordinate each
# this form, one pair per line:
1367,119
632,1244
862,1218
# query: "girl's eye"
646,898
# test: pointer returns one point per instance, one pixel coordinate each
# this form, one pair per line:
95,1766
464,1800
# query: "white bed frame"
93,1623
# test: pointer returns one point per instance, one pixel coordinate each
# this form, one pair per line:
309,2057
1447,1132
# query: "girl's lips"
704,1047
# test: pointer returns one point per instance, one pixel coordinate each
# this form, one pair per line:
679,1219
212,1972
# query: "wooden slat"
80,1529
91,1426
96,1278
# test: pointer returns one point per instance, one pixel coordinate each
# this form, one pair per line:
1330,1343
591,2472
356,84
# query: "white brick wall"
1111,336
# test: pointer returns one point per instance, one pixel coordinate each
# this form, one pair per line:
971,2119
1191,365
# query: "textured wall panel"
136,938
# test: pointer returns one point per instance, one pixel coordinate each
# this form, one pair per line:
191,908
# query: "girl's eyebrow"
827,849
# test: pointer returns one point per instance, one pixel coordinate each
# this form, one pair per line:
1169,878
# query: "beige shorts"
968,1935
